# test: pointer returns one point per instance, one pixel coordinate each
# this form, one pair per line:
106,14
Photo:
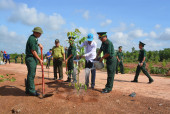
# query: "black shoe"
54,78
134,81
150,82
105,91
60,78
25,82
92,87
67,81
34,94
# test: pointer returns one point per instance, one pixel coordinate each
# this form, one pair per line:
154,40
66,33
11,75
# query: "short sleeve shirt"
120,55
32,44
107,48
48,54
72,50
142,54
57,52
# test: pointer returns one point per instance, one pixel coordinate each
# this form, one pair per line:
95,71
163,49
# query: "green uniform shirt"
57,52
16,57
72,50
107,48
120,55
32,44
142,54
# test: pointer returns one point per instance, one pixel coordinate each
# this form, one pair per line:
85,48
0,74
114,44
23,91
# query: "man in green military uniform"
69,61
108,49
119,57
142,64
16,57
22,58
58,58
32,59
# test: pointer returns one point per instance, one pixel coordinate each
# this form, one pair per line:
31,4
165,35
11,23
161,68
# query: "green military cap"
57,41
120,47
71,37
37,29
102,34
141,43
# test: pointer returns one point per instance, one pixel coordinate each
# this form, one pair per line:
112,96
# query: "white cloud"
11,41
157,26
165,35
121,28
30,16
106,22
83,31
152,34
137,33
7,4
86,15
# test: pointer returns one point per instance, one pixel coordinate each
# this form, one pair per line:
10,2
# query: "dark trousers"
138,70
22,61
7,60
48,63
15,60
111,70
31,67
58,66
120,64
89,65
71,70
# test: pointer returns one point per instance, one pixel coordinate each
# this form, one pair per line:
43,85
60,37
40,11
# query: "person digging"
32,59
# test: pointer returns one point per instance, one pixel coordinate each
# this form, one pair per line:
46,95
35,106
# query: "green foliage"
78,41
7,78
152,56
164,63
156,70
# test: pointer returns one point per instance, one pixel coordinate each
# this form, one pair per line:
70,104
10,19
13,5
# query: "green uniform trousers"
58,66
111,70
15,60
121,67
31,63
143,70
71,70
22,61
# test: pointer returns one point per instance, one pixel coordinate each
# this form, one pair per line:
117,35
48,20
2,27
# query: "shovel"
43,84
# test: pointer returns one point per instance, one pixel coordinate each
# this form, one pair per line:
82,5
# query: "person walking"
142,64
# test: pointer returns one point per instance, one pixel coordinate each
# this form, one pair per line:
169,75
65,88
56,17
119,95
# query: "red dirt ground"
150,98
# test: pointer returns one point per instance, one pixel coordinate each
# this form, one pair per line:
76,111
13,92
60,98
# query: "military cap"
57,41
120,47
37,29
102,34
141,43
71,37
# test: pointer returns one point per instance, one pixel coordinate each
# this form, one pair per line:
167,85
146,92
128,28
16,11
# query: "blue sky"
126,21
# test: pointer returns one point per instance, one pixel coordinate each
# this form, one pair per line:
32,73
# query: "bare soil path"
150,98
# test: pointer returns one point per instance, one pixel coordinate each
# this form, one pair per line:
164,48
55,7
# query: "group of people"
57,53
5,57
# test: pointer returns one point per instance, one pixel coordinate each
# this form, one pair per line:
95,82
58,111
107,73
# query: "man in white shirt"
90,54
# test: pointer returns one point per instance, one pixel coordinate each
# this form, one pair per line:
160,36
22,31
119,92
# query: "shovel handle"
43,85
